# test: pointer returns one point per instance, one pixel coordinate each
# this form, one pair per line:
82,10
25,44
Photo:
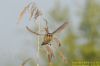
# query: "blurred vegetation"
58,13
89,27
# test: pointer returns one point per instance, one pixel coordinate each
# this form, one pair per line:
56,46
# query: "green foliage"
71,45
90,27
91,20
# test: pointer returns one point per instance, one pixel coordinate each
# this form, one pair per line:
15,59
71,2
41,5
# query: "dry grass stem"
62,56
50,53
21,15
33,11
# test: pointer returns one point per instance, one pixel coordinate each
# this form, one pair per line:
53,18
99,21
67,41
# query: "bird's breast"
48,38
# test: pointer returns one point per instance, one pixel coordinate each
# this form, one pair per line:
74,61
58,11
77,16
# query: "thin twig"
32,31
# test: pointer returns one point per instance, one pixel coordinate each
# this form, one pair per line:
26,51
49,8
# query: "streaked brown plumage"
47,38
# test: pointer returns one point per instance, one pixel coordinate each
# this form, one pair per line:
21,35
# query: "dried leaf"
32,13
23,64
37,14
32,10
23,12
63,57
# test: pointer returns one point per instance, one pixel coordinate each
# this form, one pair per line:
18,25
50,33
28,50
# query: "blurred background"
80,40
